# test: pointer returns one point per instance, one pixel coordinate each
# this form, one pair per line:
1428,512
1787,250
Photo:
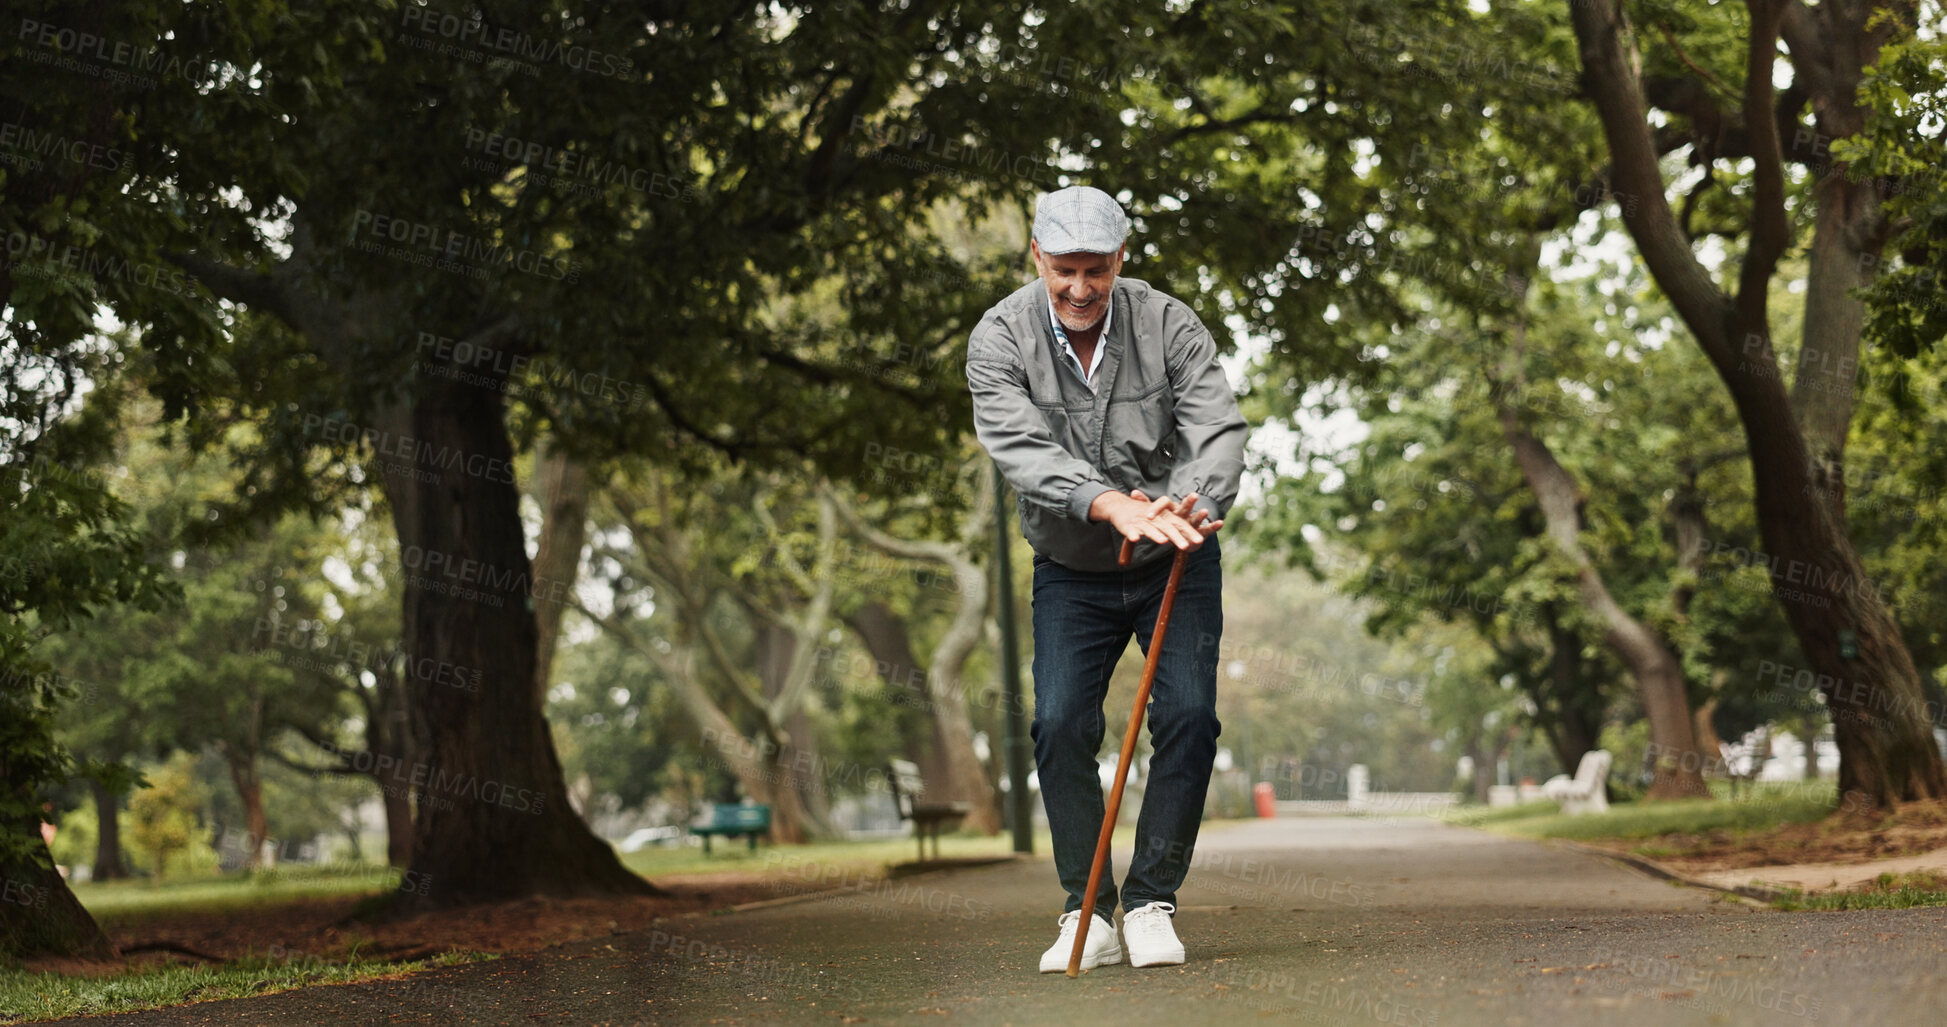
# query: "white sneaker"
1151,935
1102,948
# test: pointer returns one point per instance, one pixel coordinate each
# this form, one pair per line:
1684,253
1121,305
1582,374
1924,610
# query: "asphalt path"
1329,920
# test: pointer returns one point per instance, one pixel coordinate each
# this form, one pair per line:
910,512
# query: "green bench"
731,819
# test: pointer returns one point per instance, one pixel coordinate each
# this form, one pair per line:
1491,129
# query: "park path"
1347,921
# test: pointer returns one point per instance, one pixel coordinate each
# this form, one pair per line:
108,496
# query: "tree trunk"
1484,765
389,735
1873,691
492,816
39,916
797,769
966,777
492,820
250,792
108,834
1656,670
1569,704
891,647
561,488
1708,741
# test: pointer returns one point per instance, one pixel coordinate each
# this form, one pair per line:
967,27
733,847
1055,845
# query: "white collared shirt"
1101,341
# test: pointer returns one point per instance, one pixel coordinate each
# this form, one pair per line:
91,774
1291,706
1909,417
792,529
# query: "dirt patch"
323,931
1913,829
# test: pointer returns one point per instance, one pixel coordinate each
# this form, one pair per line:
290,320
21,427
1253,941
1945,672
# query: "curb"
1753,894
787,900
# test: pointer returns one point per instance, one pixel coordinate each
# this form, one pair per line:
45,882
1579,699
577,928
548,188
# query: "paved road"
1342,921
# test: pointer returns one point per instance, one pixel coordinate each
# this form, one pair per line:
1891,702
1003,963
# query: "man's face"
1078,284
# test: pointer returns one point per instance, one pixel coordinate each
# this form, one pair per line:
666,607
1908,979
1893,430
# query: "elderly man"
1103,404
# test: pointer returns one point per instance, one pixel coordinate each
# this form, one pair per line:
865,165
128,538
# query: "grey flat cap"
1079,219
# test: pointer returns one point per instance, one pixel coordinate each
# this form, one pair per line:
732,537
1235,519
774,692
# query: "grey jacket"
1164,419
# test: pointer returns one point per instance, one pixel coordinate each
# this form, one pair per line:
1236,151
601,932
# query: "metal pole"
1019,745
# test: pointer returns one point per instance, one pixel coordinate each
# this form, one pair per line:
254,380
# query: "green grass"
1480,816
1888,891
123,900
855,857
26,997
1770,805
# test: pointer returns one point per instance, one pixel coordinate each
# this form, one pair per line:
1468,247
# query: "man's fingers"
1189,503
1137,494
1158,505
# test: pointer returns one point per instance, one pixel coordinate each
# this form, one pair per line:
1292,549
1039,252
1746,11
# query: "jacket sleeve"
1016,435
1210,429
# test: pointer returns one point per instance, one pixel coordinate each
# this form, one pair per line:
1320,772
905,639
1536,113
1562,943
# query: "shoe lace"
1153,918
1069,920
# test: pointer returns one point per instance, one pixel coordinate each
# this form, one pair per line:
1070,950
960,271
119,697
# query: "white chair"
1583,793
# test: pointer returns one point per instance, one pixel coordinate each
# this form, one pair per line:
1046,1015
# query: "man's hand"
1161,520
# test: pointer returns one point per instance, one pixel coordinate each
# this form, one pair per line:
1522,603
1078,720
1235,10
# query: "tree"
70,552
738,610
957,774
591,207
163,817
1795,438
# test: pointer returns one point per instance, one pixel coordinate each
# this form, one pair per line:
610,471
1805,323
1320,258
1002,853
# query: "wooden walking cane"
1128,750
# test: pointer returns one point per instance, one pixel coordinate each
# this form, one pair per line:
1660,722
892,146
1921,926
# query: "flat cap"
1079,219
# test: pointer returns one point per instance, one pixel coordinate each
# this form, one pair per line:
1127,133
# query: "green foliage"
1905,96
165,832
1627,743
76,834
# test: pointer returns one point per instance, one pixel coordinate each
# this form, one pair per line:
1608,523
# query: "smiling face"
1078,284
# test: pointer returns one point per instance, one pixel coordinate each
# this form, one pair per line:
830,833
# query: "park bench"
1743,760
907,790
1584,793
731,819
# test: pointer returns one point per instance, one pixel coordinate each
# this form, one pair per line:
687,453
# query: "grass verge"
117,900
1767,807
26,996
1887,891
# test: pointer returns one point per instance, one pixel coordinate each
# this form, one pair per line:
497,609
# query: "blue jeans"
1082,623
